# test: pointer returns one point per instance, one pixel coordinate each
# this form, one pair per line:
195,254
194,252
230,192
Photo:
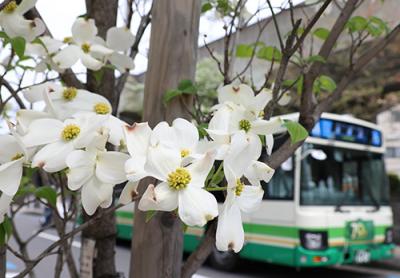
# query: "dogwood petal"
110,167
81,166
269,143
84,30
51,44
98,49
230,234
94,193
115,127
68,56
120,38
243,150
261,100
196,206
52,157
263,127
35,93
90,62
241,94
129,192
25,6
134,168
161,162
9,148
121,61
186,133
250,198
162,198
200,169
163,134
137,138
10,176
258,171
5,202
43,131
285,99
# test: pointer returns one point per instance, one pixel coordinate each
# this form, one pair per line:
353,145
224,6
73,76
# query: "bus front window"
342,177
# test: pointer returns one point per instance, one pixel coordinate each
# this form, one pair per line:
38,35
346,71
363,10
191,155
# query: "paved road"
27,224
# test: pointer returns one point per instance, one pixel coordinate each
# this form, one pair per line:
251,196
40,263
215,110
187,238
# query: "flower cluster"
74,132
83,45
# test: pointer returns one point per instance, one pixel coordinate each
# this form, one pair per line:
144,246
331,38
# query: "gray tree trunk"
157,245
104,12
3,261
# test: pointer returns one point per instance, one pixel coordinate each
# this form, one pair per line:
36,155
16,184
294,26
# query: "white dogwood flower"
120,39
43,51
240,197
12,157
60,139
180,188
83,46
137,142
96,172
182,136
14,24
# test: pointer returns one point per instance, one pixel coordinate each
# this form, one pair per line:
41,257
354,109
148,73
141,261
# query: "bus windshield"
332,176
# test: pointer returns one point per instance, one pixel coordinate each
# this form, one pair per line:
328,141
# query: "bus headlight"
314,240
389,235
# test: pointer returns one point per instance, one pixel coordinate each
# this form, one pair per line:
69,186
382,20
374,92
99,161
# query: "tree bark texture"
104,12
157,245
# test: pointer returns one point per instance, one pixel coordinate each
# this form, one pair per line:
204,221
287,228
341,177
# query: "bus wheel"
226,261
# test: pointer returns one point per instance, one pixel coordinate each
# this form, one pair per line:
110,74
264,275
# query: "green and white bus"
326,205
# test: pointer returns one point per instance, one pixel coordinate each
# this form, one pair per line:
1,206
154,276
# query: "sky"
59,15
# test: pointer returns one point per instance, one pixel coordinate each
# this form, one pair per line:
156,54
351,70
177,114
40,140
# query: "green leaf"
149,215
296,131
202,130
316,58
187,86
218,176
269,53
321,33
18,44
377,26
98,75
3,35
47,193
206,7
169,95
244,50
5,230
324,83
7,227
357,23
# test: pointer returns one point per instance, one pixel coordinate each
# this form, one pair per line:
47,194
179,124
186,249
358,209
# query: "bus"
326,205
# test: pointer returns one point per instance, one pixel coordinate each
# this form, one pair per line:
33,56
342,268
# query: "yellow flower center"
244,125
239,187
17,156
67,40
102,108
86,47
261,114
10,7
179,179
185,153
70,132
70,93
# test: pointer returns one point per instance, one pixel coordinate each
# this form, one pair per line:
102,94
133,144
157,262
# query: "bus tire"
226,261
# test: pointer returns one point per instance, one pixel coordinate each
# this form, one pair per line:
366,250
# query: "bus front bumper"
356,254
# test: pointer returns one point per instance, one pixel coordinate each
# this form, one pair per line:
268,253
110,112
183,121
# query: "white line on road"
367,270
51,237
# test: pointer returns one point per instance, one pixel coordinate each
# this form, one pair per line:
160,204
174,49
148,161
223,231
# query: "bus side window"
281,186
